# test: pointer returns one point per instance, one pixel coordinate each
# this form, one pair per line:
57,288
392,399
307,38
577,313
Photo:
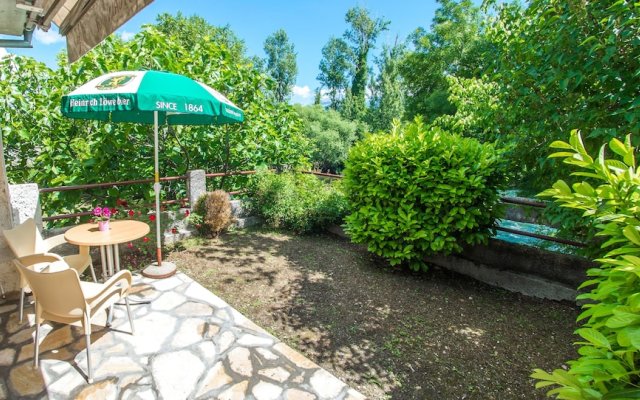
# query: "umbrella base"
165,270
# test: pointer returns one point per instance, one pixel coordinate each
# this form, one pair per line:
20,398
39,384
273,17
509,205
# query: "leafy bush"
609,350
298,202
330,136
212,213
419,191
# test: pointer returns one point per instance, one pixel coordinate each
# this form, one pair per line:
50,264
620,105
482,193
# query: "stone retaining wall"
517,268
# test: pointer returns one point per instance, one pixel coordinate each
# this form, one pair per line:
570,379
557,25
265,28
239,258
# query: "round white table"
120,231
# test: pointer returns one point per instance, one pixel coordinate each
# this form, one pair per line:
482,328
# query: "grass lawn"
388,333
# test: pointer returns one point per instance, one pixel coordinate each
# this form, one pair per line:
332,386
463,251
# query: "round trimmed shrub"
212,213
419,191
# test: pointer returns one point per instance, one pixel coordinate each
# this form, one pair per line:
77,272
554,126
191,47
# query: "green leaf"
631,233
594,337
618,147
620,394
562,187
622,319
558,144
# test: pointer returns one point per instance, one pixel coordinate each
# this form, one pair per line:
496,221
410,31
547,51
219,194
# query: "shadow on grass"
386,332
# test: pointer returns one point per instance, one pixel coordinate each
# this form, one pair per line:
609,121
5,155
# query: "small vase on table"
103,226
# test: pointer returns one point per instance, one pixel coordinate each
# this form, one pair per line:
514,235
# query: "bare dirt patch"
389,333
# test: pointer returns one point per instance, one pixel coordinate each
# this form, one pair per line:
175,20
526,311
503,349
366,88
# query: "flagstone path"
188,344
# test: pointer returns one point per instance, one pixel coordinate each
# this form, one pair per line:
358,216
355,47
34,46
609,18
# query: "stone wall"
517,268
23,203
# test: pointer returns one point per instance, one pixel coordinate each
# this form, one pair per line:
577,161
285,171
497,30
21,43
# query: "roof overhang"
84,23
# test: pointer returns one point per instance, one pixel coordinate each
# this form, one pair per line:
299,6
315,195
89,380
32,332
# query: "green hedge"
420,190
606,192
298,202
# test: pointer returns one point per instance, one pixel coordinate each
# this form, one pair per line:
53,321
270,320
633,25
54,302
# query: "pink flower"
145,239
131,213
187,213
130,245
152,217
97,211
106,212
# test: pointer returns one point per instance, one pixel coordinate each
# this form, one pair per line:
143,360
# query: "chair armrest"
54,241
39,258
122,276
49,262
110,289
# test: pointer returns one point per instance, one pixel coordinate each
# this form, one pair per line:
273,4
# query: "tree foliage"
478,104
388,100
452,47
281,63
362,35
563,65
330,136
44,147
336,69
188,29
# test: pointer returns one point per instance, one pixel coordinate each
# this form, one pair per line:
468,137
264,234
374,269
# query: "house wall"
8,275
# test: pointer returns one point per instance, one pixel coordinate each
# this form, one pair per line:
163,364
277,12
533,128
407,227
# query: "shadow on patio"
188,344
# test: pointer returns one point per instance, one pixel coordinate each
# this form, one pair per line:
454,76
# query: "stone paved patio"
189,344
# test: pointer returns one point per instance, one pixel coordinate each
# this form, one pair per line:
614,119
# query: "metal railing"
519,201
129,183
108,184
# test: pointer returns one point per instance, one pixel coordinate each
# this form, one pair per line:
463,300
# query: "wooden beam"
95,21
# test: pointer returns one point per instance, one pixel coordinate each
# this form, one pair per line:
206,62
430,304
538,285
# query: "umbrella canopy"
134,96
151,97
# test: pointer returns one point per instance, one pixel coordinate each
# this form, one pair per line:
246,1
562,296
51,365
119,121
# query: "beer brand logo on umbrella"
114,82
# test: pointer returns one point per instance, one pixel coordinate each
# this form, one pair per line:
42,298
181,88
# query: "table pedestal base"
110,255
155,271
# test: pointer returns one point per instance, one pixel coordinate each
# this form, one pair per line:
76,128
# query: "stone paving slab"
188,344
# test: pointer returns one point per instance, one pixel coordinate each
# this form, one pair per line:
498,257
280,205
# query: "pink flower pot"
103,226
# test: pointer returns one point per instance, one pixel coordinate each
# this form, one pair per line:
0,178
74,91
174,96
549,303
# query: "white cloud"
324,95
302,95
303,92
49,37
3,52
126,36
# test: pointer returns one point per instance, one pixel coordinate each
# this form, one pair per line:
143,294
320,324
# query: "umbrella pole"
156,188
160,269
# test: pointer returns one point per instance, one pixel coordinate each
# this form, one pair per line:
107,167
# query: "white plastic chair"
61,297
25,239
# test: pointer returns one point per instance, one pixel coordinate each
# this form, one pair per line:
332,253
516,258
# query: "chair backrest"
24,239
58,293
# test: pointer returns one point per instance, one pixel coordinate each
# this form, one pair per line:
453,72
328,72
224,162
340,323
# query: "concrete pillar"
8,273
25,203
196,186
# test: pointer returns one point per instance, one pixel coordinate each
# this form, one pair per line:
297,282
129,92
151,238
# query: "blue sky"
309,24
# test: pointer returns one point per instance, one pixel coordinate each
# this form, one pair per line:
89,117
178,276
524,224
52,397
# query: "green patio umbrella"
151,97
